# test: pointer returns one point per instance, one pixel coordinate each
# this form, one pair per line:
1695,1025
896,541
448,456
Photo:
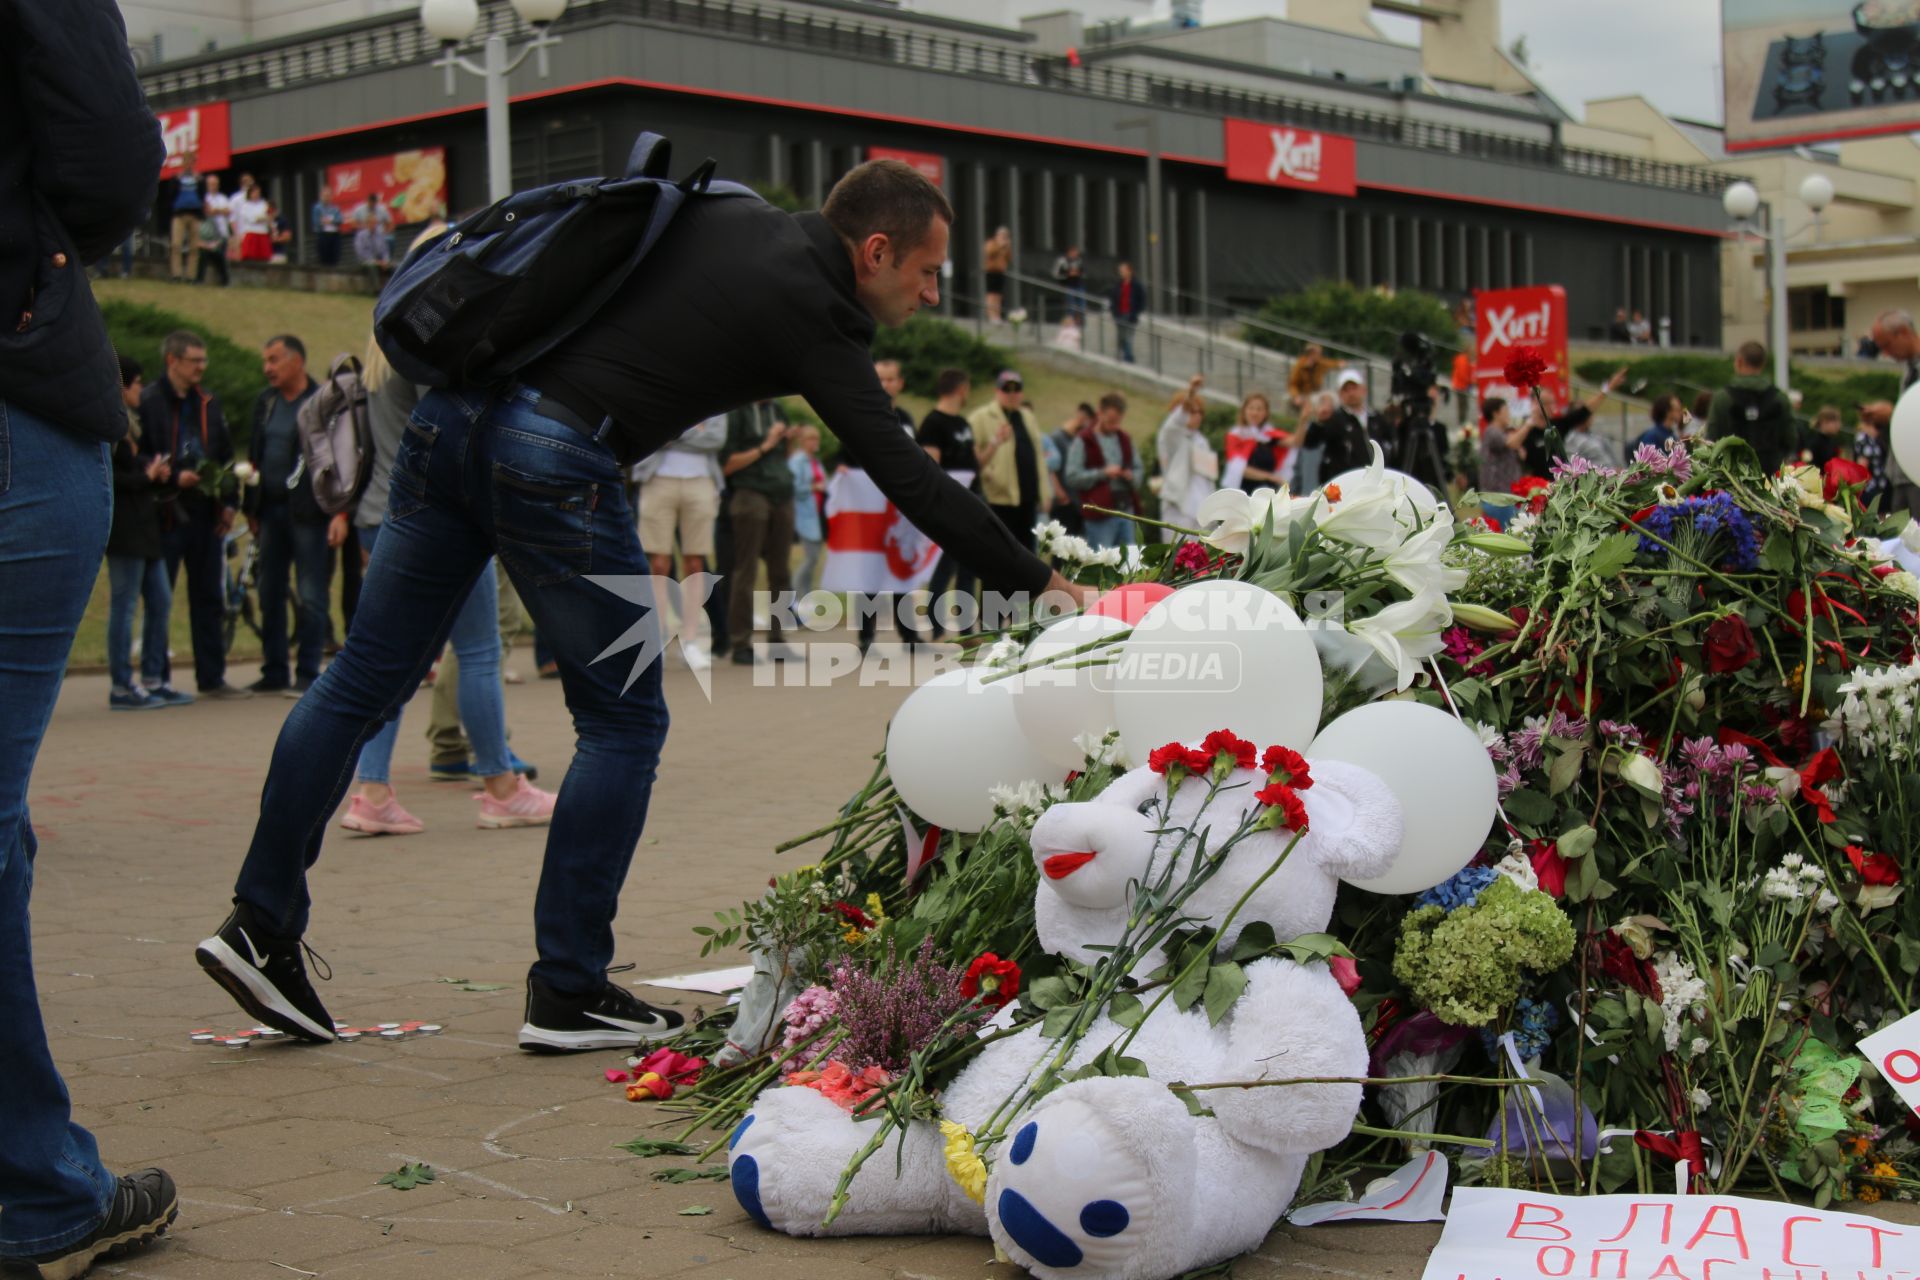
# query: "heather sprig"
893,1008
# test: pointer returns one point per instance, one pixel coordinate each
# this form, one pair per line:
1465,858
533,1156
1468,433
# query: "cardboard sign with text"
1495,1234
1510,318
1278,155
1895,1054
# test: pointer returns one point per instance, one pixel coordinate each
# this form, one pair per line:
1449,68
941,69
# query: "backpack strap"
696,182
650,158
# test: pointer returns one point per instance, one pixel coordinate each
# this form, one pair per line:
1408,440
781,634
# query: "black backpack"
1756,409
510,283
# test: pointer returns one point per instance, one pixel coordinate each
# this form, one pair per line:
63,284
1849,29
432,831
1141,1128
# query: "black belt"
549,405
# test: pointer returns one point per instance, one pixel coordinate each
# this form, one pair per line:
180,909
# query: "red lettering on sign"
1737,1234
1668,1267
1540,1260
1620,1273
1876,1232
1786,1243
1633,1216
1910,1075
1520,1220
1276,155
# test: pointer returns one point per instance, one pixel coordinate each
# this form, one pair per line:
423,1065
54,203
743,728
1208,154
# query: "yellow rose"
963,1162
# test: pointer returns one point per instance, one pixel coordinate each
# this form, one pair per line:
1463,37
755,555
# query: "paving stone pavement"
277,1148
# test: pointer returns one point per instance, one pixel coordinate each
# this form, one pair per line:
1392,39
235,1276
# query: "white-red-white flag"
871,547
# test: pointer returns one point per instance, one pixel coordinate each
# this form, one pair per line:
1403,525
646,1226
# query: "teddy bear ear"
1355,820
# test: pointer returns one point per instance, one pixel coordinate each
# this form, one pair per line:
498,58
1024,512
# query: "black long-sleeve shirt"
740,302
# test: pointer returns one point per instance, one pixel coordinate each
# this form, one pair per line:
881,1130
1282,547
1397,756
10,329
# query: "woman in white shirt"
253,218
1189,468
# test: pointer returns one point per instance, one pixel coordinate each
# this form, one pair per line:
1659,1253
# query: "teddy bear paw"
1070,1197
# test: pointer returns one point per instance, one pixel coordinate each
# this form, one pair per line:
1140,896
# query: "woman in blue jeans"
508,800
137,567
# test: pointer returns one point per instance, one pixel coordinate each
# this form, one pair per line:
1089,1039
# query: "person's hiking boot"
144,1206
610,1018
528,806
266,975
387,819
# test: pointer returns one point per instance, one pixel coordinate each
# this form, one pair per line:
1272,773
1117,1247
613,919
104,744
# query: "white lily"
1910,536
1231,516
1405,633
1368,519
1416,565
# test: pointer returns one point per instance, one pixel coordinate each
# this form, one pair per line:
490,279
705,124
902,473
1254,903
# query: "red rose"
993,980
1730,645
1821,770
1161,759
1874,868
1290,762
1345,972
1549,868
1618,962
1223,742
1283,797
1526,368
1842,473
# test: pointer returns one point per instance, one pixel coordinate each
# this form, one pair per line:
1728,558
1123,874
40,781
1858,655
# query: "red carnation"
1222,741
1290,762
1729,645
993,980
853,915
1874,868
1534,489
1842,473
1526,369
1162,759
1549,868
1192,557
1280,796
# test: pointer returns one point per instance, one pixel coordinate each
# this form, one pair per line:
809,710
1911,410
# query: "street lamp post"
1741,202
452,21
1156,286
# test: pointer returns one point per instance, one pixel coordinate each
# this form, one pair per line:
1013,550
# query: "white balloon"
1441,774
1054,705
1903,436
1218,654
953,740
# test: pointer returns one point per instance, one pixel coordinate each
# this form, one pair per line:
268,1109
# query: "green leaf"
650,1147
1526,805
695,1211
1311,947
1613,555
1565,769
1583,877
408,1176
1050,993
1777,554
705,1173
1191,986
1126,1010
1225,982
1055,1024
1255,940
1194,1105
1577,843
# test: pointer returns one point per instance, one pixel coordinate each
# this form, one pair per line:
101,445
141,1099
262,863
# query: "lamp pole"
452,21
1155,276
1742,202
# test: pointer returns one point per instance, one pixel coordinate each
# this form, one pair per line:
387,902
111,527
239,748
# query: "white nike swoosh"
259,961
625,1025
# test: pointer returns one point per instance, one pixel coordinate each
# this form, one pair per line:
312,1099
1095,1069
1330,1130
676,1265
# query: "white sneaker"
698,659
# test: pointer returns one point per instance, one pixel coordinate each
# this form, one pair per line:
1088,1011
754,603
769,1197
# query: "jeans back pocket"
543,528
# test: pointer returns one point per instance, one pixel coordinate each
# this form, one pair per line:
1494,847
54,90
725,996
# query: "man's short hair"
889,198
948,381
1115,401
1894,320
129,370
176,344
1752,354
1490,407
287,340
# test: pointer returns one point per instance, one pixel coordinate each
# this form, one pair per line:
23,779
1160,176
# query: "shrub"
1688,375
233,371
925,345
1343,313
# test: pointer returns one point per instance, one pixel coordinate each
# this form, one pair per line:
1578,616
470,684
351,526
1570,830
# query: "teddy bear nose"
1059,866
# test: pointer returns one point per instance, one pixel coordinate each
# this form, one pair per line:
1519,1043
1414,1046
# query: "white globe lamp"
1816,192
1741,201
539,13
449,21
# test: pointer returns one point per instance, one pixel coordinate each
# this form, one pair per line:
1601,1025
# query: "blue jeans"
473,477
483,710
1123,335
291,546
135,579
1109,531
56,503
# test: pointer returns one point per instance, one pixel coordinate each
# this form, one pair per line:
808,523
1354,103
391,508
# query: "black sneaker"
610,1018
144,1206
265,974
264,685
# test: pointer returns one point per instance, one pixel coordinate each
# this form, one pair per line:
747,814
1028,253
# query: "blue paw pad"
1030,1230
1023,1143
1104,1218
739,1132
745,1176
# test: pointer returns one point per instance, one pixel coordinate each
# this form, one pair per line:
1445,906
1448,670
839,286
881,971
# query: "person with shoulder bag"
80,162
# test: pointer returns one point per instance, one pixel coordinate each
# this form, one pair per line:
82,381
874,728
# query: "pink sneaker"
388,819
527,807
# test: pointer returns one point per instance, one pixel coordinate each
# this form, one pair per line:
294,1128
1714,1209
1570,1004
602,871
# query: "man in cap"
1012,453
1344,438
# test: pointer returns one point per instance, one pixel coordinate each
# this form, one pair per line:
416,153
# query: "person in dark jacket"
181,421
738,303
136,566
1128,302
1755,410
79,161
297,539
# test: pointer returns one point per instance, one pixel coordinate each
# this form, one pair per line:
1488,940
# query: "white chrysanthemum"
1682,992
1489,736
1700,1098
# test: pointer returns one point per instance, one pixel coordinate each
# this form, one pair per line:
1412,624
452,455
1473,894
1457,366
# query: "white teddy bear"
1113,1176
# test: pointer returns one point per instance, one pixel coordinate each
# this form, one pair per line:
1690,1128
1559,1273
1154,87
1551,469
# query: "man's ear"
872,255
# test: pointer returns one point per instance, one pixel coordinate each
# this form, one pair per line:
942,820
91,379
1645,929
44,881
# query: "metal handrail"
399,39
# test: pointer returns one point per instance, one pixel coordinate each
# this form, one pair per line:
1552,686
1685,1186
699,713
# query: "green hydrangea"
1467,964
